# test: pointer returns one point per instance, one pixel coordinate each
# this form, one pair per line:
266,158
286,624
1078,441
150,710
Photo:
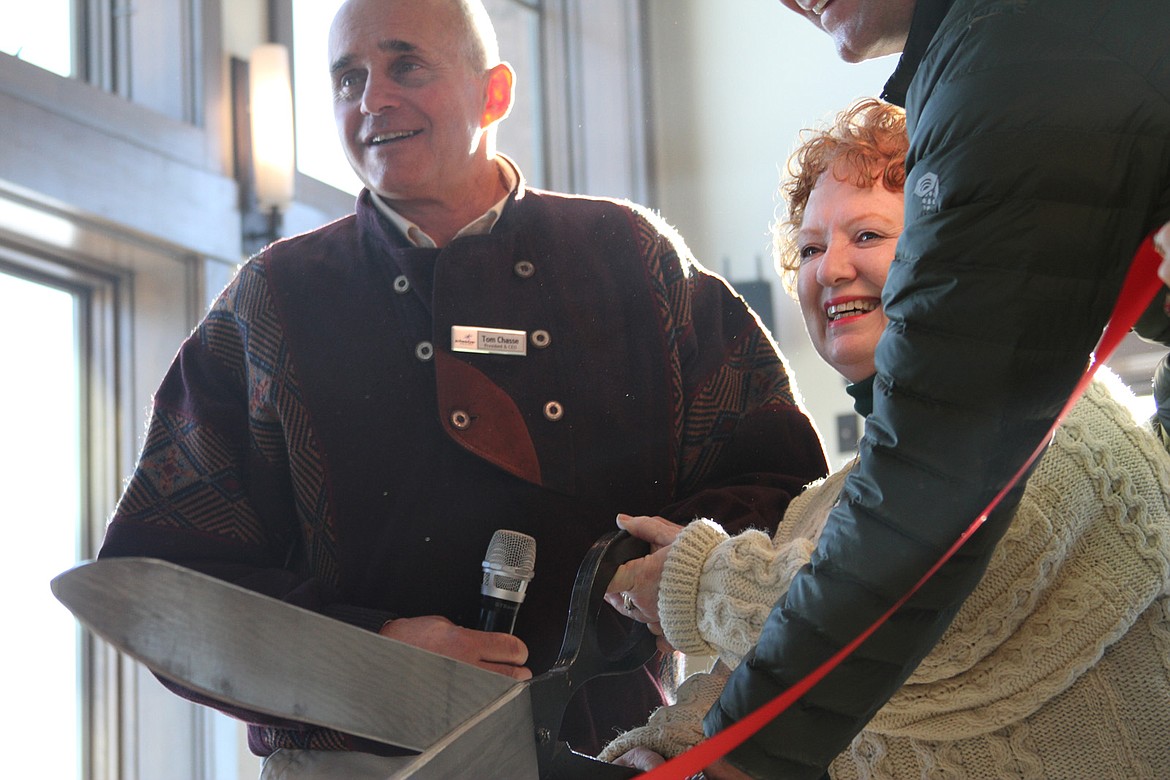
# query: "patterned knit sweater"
1057,666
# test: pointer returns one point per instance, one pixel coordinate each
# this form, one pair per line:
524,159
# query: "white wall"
732,83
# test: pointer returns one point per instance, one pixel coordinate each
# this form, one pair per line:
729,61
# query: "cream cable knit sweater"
1057,666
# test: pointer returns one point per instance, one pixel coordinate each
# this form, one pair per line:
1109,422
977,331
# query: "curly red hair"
865,144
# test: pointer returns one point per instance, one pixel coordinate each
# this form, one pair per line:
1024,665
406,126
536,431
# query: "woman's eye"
807,253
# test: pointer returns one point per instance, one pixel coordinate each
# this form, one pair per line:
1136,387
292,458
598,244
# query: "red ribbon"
1141,284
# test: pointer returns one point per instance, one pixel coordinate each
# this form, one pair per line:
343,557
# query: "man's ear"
498,100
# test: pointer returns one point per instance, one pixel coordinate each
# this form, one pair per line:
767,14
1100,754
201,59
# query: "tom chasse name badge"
491,341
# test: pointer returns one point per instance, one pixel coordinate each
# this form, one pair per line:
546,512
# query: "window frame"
64,135
138,299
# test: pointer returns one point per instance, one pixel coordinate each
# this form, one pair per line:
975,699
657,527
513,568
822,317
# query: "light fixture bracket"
260,225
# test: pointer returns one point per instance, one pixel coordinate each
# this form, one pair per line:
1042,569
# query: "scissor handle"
582,657
581,648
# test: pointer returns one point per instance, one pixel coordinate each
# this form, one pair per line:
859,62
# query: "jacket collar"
862,394
928,17
510,177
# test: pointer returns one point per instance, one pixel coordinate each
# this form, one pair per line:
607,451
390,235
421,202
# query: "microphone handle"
497,615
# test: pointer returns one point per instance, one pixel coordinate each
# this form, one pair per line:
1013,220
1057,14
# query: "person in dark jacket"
329,437
1039,160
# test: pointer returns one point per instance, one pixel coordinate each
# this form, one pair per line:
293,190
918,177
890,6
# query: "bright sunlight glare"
319,151
40,467
40,33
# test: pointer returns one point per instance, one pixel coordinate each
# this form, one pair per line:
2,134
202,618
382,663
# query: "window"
40,33
522,135
144,52
41,460
319,153
92,316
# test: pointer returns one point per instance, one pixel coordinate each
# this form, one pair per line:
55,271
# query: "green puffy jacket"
1039,160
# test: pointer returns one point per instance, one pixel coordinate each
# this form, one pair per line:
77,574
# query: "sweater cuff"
678,594
675,729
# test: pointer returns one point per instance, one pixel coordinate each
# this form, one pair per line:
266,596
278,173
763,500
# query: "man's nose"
380,95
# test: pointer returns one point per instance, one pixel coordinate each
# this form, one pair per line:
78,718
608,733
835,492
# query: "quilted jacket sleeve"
1040,158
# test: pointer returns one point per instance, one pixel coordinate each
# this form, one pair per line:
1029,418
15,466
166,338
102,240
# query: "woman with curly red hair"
1058,664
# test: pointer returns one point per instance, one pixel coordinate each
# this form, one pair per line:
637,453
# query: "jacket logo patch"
929,193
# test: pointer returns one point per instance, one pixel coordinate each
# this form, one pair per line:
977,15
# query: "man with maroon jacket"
367,403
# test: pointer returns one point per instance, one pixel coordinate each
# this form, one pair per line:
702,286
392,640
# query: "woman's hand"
645,759
633,591
642,758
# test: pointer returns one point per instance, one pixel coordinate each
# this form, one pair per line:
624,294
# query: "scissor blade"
495,744
258,653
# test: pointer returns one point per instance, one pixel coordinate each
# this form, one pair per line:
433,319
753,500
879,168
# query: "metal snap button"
540,339
553,411
401,284
524,269
424,351
460,419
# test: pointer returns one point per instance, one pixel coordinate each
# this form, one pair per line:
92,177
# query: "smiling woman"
846,245
1046,650
844,217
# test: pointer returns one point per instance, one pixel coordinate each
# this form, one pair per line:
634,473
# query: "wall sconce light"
265,161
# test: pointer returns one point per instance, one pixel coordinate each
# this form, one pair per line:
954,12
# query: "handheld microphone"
508,567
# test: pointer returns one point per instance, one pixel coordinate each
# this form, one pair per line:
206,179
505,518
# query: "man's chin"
395,189
849,52
846,54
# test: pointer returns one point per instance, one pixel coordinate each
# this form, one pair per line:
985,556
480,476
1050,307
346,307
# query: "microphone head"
508,566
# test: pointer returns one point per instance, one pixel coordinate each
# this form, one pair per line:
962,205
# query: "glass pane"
1135,362
521,135
40,33
318,149
40,473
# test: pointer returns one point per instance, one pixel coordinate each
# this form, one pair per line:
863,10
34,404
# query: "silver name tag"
492,341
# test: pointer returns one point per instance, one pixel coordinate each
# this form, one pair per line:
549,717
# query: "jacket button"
540,339
524,269
424,351
401,284
553,411
460,419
